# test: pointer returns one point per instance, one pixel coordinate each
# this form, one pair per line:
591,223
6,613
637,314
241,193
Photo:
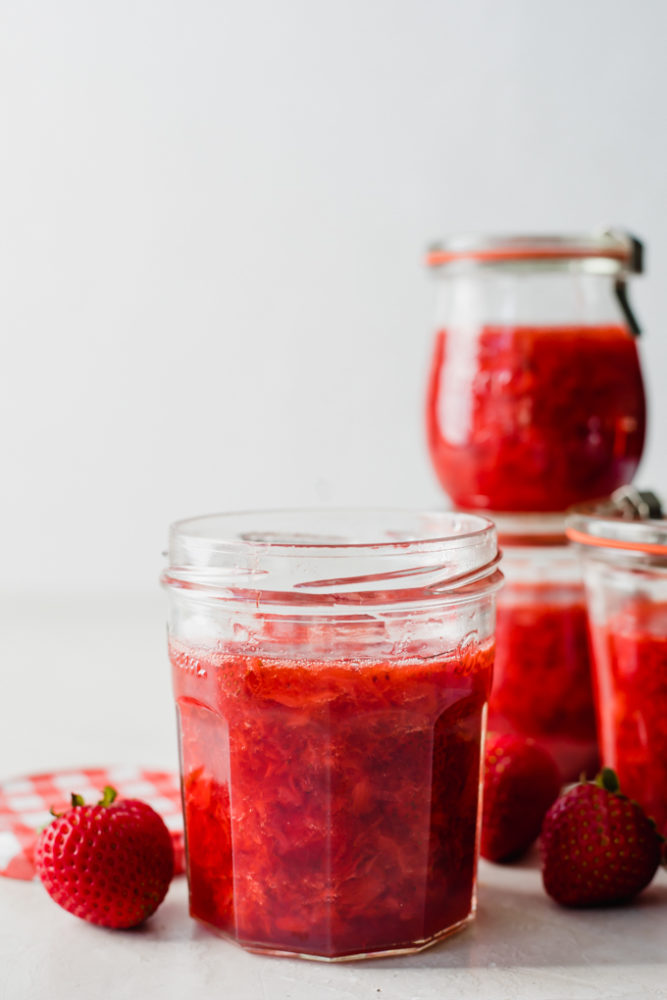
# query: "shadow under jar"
535,397
331,672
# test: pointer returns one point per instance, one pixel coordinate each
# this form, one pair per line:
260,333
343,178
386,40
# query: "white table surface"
87,682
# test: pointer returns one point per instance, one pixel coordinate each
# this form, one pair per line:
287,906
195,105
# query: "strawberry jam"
542,684
524,418
631,671
331,806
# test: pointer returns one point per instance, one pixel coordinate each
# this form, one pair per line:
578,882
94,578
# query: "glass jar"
625,570
535,396
542,676
331,673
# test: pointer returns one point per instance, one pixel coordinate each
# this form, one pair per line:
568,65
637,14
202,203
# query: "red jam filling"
331,807
534,418
631,674
542,684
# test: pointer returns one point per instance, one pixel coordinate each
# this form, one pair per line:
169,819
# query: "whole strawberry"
110,863
521,780
598,847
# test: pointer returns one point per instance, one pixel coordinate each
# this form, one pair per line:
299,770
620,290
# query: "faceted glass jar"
542,686
625,569
331,672
535,397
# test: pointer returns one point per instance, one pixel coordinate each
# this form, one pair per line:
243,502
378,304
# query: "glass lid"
630,520
612,249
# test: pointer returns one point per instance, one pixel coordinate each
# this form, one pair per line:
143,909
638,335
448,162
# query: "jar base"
410,949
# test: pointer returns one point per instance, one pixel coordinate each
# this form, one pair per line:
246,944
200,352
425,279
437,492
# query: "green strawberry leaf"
607,779
108,795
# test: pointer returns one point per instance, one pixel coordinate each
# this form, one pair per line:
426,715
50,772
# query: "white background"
212,224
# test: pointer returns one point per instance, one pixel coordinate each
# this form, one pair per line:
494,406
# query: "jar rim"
470,525
332,555
608,245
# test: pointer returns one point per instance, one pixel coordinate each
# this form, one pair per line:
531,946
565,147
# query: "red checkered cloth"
25,805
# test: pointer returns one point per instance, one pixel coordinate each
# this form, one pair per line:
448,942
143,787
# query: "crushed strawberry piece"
331,806
631,662
542,686
525,418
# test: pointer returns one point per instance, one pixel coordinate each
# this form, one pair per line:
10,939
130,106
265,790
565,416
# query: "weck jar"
535,397
542,684
625,569
331,672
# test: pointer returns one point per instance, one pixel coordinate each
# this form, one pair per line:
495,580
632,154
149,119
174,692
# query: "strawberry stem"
108,795
77,800
607,779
